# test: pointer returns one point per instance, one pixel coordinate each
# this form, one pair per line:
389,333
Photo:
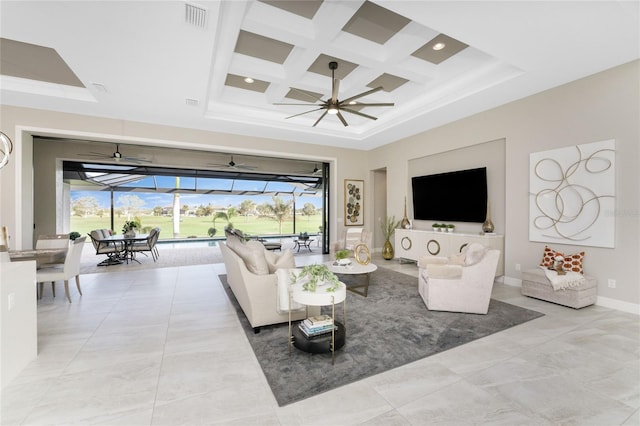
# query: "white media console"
412,244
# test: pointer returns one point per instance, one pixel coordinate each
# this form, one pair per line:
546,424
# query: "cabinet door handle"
405,242
436,250
462,247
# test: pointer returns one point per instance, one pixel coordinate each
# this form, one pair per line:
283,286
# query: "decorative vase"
405,224
387,250
487,226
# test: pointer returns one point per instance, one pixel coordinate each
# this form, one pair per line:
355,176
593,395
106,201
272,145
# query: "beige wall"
16,179
601,107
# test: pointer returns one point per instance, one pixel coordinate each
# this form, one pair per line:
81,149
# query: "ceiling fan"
233,165
117,156
315,172
335,106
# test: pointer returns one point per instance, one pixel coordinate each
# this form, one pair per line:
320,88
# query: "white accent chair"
459,283
351,237
71,268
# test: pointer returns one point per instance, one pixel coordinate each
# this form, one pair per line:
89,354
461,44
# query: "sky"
152,200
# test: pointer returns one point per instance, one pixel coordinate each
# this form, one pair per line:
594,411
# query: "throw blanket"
284,284
562,282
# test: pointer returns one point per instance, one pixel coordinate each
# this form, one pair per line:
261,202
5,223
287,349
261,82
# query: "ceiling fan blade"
368,92
303,113
321,117
373,105
309,95
359,113
280,103
136,159
342,119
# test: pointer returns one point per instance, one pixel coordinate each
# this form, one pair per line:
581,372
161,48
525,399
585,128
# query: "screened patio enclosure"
180,193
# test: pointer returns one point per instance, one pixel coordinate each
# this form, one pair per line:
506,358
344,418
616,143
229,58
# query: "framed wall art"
353,202
572,195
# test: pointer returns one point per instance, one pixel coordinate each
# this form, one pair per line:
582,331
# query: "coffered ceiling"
186,64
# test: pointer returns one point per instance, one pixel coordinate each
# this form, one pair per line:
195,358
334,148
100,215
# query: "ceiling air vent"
195,15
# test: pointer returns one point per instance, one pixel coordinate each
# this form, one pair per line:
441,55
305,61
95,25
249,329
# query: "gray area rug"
389,328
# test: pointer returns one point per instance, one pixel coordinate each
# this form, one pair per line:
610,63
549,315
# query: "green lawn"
198,226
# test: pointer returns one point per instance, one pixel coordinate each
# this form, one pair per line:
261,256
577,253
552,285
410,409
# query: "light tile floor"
164,346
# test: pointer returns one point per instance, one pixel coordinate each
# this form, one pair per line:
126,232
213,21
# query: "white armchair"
351,237
461,283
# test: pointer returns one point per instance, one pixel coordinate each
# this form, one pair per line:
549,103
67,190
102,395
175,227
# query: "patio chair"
112,249
148,245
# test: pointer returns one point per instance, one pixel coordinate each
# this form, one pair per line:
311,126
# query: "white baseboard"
632,308
514,282
606,302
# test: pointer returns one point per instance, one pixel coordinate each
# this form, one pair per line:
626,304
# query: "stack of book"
316,325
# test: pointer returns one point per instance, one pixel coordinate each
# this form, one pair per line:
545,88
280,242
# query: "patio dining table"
127,241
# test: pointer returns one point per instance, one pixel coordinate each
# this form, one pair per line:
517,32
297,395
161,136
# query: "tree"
246,207
279,211
231,212
157,211
208,210
308,210
176,210
84,206
131,204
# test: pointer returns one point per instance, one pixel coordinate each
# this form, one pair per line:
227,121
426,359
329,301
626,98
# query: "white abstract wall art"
572,195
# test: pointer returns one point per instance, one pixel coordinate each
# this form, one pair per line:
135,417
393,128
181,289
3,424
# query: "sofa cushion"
279,261
457,259
474,253
251,252
572,262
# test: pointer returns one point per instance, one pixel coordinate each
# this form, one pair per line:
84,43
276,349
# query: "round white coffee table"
354,268
321,297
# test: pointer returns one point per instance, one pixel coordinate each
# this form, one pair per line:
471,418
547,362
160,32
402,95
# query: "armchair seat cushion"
443,271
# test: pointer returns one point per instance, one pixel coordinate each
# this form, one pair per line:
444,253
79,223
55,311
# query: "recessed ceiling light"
438,46
248,80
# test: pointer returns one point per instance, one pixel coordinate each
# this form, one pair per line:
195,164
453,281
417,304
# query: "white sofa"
460,283
255,287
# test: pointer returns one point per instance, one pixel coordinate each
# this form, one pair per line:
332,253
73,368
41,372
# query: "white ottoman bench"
535,284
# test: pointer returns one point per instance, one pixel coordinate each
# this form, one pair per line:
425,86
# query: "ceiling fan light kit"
334,106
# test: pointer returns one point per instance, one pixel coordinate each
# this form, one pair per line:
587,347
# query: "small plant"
342,254
436,226
450,227
130,225
73,235
212,231
316,274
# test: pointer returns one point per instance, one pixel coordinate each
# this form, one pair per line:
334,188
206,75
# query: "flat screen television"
459,196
